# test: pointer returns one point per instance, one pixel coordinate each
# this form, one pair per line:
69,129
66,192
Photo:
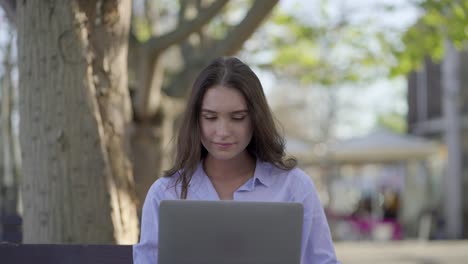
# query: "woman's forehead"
223,99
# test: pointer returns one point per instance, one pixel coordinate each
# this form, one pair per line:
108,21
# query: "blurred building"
381,186
438,109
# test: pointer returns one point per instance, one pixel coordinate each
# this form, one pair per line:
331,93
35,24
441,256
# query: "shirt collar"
262,173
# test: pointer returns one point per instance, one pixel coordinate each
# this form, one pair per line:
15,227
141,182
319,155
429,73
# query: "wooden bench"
65,254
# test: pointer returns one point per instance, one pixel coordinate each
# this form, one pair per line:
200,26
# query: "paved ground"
406,252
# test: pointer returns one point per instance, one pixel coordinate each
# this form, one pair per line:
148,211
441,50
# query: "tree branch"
230,45
9,6
183,8
240,33
148,96
156,45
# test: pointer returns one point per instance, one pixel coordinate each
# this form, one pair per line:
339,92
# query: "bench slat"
65,254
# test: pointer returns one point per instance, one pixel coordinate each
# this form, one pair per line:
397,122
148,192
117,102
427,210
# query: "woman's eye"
238,118
209,117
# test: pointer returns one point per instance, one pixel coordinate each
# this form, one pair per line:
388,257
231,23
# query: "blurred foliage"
333,52
320,52
336,50
234,11
141,28
440,20
151,17
393,121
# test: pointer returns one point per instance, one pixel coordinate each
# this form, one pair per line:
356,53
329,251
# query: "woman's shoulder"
301,176
295,173
296,179
162,186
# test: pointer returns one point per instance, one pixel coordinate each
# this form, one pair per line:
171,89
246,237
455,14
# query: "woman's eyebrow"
240,111
233,112
208,111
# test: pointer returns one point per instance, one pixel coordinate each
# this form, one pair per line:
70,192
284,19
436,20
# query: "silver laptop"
216,232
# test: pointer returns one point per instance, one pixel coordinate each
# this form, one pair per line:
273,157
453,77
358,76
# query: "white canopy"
382,146
378,146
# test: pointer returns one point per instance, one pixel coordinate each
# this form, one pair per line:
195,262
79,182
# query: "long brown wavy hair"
266,144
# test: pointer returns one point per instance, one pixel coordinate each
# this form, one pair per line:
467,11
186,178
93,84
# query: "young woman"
228,148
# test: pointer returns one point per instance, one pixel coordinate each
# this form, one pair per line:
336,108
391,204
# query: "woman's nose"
223,128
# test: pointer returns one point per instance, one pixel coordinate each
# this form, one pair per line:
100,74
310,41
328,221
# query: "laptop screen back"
212,232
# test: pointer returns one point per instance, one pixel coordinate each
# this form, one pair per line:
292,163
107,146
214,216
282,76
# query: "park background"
371,97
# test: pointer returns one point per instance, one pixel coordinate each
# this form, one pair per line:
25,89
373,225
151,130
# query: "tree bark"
108,26
70,194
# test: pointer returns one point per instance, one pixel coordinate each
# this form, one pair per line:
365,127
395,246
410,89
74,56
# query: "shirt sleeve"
317,244
146,251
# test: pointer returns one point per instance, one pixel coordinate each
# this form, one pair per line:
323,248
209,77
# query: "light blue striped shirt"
269,183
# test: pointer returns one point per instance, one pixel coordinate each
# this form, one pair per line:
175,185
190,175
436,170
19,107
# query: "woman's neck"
228,170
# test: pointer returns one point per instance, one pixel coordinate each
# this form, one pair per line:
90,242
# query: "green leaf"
458,11
392,121
142,29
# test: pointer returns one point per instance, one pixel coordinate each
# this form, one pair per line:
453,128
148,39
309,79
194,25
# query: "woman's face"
226,128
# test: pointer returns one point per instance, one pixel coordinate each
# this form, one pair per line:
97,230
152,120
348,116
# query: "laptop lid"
213,232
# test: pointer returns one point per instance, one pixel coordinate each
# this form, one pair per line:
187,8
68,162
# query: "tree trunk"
70,194
109,25
147,155
153,144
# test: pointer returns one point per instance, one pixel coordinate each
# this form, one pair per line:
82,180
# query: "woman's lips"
223,145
